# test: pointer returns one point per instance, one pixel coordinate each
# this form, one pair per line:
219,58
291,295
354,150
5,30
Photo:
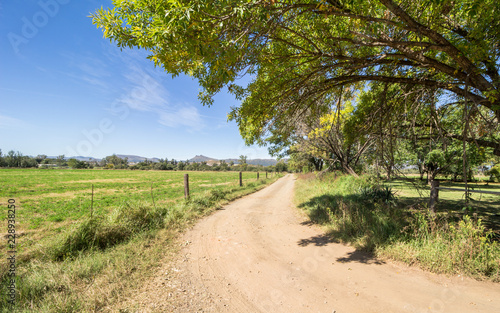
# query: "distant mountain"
263,162
196,159
201,158
136,158
81,158
130,158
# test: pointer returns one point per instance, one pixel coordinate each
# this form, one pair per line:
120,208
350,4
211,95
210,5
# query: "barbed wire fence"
91,197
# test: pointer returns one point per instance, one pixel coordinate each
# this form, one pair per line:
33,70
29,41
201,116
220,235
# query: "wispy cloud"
147,93
141,89
184,116
88,69
11,122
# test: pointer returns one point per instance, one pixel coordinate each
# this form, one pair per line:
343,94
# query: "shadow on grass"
487,210
354,219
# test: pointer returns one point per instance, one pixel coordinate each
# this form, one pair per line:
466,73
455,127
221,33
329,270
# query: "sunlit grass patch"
372,217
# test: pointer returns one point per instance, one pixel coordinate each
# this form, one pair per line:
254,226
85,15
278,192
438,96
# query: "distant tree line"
16,160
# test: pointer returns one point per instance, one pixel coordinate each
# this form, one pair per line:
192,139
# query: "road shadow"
360,257
320,240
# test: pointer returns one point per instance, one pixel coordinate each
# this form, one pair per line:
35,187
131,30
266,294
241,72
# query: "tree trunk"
348,169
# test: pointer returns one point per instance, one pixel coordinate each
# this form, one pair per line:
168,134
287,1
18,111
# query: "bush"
96,233
462,247
494,173
218,194
92,233
378,194
138,216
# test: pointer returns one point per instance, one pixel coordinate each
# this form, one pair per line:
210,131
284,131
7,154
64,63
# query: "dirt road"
258,254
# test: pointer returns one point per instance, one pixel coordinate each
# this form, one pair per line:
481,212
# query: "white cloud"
95,81
84,68
11,122
147,94
141,89
184,116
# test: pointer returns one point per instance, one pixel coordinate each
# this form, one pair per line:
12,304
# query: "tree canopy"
299,53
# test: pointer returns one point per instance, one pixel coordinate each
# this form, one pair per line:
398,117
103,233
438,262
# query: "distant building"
47,165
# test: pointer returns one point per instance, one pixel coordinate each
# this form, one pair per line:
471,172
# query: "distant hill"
196,159
136,158
79,158
263,162
130,158
201,158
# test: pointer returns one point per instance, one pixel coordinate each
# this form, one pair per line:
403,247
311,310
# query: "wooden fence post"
266,174
186,186
434,195
241,181
92,202
257,175
152,197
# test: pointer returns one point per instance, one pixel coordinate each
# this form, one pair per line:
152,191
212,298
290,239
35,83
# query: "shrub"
138,216
494,173
462,247
217,194
96,233
377,194
90,234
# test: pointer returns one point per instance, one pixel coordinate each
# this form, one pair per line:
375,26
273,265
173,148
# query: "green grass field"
485,206
68,261
48,197
392,220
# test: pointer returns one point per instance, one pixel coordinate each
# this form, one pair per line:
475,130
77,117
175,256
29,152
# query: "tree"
181,165
298,51
281,166
13,159
61,161
116,162
77,164
435,162
40,158
301,161
223,166
243,162
2,161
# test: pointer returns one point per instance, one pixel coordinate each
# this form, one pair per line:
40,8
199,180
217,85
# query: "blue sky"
64,89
